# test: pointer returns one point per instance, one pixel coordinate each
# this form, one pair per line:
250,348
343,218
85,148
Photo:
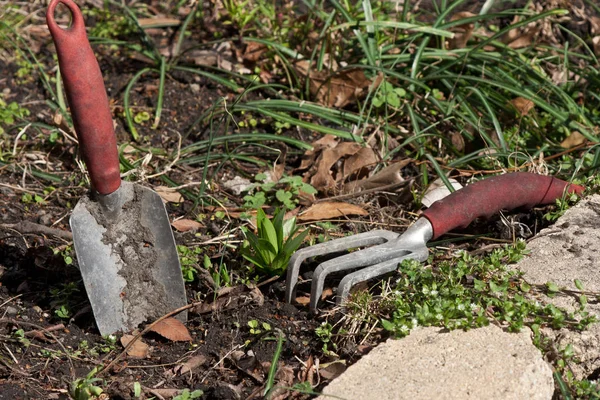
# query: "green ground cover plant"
449,90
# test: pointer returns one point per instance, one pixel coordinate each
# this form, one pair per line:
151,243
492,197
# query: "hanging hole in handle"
61,12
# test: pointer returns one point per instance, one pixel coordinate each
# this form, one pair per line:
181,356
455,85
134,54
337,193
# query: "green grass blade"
126,97
161,91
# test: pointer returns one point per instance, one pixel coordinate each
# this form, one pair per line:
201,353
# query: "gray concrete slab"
431,363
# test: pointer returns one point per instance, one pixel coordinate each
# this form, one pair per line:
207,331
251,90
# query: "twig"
32,227
52,335
21,133
36,332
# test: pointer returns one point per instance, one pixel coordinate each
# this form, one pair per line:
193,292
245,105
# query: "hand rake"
459,209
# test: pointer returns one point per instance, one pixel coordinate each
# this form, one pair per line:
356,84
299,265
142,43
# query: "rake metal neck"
417,234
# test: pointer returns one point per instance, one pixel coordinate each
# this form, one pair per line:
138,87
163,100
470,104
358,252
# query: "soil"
44,351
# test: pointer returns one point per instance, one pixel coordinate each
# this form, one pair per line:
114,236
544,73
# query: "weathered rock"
569,250
431,363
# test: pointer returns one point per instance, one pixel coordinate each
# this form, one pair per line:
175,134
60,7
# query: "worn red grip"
87,97
489,196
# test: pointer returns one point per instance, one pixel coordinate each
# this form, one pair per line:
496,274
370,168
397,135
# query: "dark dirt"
232,361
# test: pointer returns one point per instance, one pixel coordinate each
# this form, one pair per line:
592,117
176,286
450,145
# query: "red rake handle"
487,197
87,97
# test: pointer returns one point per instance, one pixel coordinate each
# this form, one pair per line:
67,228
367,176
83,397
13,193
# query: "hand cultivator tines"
481,199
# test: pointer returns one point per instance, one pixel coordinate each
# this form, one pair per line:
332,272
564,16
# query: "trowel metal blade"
129,262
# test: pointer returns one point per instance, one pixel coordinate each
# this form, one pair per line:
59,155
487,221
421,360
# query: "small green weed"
187,395
562,205
468,291
271,249
284,192
19,335
28,198
255,327
141,117
109,25
63,312
66,253
325,333
62,299
188,257
219,272
9,113
85,388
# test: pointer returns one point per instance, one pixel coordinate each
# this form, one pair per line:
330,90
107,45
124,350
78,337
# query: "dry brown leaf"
254,51
172,329
184,225
574,139
168,195
310,156
458,141
332,370
334,89
327,292
158,22
356,165
329,210
522,105
525,39
392,174
323,179
187,367
138,350
462,33
303,300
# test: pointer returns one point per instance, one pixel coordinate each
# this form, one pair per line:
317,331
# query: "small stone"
10,310
6,191
45,219
195,88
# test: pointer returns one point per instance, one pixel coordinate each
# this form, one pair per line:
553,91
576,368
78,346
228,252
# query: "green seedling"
28,198
85,388
188,257
9,113
66,253
271,249
187,395
141,118
389,95
325,333
19,335
221,276
63,312
255,327
562,205
284,192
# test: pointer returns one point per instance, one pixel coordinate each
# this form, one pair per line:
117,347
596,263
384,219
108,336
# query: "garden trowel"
121,231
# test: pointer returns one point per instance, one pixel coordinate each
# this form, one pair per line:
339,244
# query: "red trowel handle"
87,97
487,197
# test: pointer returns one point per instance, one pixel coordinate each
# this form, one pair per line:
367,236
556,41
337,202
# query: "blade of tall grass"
161,92
492,115
440,172
126,97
